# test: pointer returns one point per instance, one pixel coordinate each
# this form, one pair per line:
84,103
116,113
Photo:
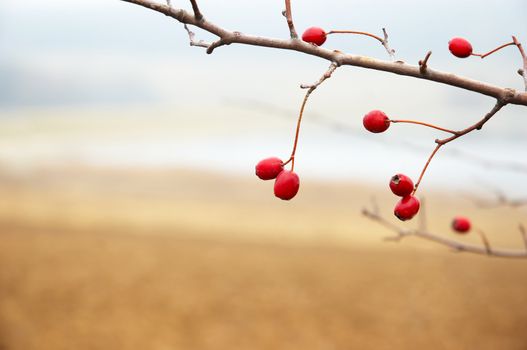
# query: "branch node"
423,63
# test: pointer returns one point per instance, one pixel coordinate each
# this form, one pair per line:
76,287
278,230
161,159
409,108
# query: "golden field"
137,259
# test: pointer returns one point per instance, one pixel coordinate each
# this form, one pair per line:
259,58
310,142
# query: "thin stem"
524,58
426,167
289,18
485,240
297,132
496,49
310,88
524,235
423,124
402,232
381,40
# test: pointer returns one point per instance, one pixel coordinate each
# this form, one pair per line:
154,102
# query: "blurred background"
130,216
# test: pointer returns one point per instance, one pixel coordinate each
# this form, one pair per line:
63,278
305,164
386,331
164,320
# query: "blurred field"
128,259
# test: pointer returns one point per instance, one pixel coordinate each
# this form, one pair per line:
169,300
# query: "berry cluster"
286,183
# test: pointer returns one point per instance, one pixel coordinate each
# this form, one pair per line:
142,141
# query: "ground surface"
98,260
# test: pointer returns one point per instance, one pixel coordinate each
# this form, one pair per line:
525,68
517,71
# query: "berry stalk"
423,124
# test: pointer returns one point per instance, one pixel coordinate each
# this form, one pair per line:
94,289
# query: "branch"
193,42
197,14
228,37
524,58
458,246
289,18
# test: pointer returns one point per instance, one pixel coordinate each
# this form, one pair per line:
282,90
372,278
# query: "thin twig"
289,17
485,241
523,232
193,42
524,58
457,246
513,96
423,64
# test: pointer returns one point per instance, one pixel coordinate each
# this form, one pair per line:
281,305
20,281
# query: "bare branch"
289,17
458,246
193,42
524,235
511,96
485,241
390,51
195,8
524,58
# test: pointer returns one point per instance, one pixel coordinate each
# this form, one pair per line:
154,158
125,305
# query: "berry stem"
310,88
496,49
424,124
381,40
426,167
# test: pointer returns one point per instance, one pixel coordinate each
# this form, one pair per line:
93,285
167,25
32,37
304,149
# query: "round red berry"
407,207
460,47
286,185
461,224
314,35
269,168
401,185
376,121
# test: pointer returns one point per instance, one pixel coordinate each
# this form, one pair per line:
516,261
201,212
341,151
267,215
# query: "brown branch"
524,58
197,14
289,17
499,104
458,246
228,37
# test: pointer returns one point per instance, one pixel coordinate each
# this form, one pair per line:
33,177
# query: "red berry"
460,47
406,208
314,35
401,185
376,121
269,168
461,224
286,185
